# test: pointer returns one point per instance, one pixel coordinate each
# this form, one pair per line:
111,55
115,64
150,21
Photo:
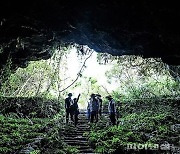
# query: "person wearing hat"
111,109
69,107
94,107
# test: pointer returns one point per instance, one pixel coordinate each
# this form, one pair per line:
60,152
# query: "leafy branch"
79,73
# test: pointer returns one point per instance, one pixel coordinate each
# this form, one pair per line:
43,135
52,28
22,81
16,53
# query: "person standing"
76,110
112,109
94,107
88,110
100,104
69,107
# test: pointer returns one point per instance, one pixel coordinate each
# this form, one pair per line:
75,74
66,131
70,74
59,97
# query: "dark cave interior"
30,29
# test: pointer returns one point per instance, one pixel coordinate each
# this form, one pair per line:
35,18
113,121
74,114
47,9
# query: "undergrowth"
149,123
39,130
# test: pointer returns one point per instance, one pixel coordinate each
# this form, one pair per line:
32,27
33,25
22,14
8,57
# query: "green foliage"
30,107
16,133
141,123
40,78
35,152
86,86
142,78
31,124
21,133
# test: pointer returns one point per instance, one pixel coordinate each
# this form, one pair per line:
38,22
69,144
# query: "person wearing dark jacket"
69,107
76,110
111,109
100,104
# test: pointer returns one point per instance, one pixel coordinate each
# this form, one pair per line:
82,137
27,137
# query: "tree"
142,78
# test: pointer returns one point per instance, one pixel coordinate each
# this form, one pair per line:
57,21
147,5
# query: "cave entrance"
82,70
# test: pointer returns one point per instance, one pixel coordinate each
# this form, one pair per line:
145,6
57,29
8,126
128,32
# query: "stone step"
89,151
79,138
72,135
76,134
83,122
82,116
77,143
84,119
75,140
83,129
81,132
84,147
83,126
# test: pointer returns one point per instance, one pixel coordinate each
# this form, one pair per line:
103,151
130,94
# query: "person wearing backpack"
111,109
69,107
94,107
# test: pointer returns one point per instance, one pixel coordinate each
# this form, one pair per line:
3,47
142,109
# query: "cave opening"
79,69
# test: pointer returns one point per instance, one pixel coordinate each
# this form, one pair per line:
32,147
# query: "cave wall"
30,29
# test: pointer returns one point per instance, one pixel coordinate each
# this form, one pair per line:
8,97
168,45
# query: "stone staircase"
74,135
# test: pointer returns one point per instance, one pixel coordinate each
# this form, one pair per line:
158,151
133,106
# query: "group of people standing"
94,108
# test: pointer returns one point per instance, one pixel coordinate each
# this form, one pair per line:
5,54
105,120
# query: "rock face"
29,29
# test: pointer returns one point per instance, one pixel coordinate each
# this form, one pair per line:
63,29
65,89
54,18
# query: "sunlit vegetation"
40,78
